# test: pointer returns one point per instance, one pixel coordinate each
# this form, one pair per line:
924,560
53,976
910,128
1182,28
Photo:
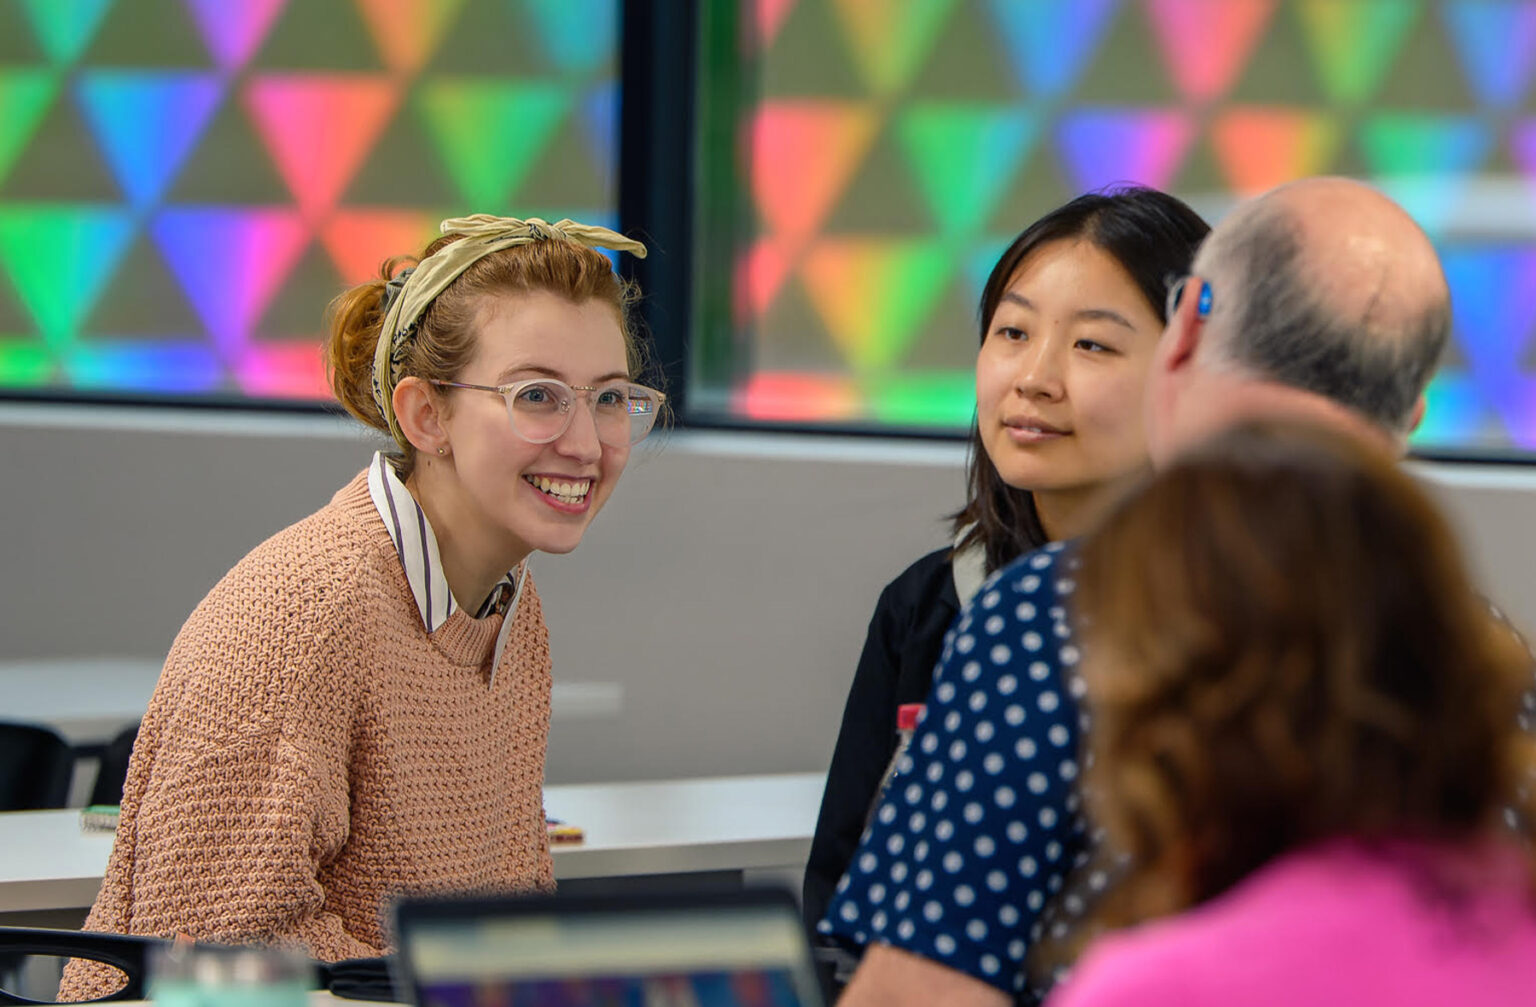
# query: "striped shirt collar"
417,546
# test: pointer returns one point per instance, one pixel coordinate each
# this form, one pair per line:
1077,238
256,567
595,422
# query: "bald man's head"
1327,286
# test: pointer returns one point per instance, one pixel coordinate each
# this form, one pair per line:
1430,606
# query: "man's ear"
1417,416
420,412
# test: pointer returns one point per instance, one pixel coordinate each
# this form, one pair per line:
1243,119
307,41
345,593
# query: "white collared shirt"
417,545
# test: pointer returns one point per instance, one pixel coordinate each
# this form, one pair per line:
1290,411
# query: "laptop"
744,948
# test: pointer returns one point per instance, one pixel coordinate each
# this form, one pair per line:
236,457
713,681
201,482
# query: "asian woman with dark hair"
1069,318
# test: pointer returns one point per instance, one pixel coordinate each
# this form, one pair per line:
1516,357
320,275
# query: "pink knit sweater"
310,752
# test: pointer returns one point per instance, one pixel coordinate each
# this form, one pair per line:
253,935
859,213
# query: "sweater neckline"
464,640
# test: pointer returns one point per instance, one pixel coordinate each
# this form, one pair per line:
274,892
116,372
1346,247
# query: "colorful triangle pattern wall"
882,193
181,179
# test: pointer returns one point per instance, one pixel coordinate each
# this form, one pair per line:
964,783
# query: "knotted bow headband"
411,293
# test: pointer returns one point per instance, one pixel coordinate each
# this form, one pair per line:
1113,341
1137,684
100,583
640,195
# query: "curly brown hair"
1282,646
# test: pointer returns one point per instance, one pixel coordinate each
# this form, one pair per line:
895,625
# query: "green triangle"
142,299
13,317
1426,76
18,45
931,399
1126,69
949,339
1271,75
1353,45
964,157
881,197
59,258
489,133
299,305
890,43
321,35
807,59
874,296
64,27
563,175
61,163
148,33
966,63
25,362
403,170
477,44
24,96
229,164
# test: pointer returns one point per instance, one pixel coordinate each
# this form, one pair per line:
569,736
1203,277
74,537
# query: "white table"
87,700
758,825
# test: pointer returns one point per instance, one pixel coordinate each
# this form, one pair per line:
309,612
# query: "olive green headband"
409,296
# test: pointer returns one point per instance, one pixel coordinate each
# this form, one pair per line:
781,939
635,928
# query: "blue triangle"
1493,298
147,123
1497,46
600,128
1457,413
1049,44
577,34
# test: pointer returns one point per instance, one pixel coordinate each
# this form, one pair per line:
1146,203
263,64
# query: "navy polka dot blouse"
981,825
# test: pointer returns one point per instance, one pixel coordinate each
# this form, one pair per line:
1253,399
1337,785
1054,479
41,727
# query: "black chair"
114,768
129,955
36,768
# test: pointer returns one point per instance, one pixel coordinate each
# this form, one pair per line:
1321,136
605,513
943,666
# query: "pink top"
1336,924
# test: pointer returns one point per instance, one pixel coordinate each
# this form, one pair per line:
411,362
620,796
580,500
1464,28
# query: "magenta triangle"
233,29
230,262
1106,147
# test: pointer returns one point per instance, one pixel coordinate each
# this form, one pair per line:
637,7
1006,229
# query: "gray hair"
1281,330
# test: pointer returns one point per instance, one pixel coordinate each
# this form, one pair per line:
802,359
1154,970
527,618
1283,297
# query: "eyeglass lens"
623,413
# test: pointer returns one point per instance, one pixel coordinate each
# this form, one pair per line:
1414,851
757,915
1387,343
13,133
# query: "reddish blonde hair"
1282,645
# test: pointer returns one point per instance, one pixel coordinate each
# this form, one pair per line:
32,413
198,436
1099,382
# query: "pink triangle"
803,154
759,276
358,241
230,262
1206,43
770,18
283,371
234,30
319,128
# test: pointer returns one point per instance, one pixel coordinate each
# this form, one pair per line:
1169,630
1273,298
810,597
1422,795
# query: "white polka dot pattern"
994,764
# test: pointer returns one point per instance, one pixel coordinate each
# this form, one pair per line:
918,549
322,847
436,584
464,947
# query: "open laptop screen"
716,950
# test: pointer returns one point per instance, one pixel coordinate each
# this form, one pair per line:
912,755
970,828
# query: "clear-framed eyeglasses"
541,409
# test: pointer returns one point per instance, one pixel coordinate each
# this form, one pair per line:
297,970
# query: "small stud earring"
442,451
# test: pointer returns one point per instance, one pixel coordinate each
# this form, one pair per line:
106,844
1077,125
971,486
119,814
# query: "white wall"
708,624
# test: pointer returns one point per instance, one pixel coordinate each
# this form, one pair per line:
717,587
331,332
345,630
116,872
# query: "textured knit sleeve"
238,791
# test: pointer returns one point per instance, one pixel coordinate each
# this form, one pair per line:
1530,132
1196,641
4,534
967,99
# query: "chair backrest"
114,768
128,954
36,768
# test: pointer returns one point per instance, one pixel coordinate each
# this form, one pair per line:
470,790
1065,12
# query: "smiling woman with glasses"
360,707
